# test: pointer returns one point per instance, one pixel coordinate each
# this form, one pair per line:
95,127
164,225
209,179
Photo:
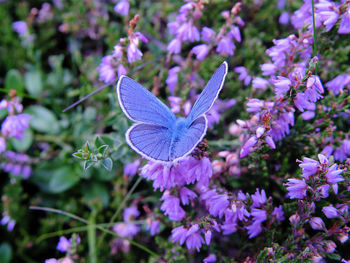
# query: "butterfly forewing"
140,105
150,141
189,139
209,94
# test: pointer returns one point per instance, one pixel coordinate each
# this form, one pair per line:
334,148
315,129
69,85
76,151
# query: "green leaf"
98,142
14,80
43,120
103,149
33,82
25,143
334,256
78,155
87,164
62,179
5,252
107,163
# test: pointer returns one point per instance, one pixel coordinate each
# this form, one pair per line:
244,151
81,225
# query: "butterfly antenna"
84,98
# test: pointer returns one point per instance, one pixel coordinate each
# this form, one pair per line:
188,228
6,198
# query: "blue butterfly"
157,134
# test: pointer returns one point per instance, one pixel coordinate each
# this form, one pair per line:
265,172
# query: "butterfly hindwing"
140,105
151,141
209,94
189,139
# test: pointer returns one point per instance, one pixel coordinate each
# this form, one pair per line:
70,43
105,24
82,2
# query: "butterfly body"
157,134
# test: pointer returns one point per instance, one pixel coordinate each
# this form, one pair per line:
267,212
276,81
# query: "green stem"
122,205
91,231
314,32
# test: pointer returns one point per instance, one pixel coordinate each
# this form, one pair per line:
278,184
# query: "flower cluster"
127,51
68,246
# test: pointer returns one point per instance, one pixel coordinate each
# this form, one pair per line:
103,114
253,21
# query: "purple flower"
122,7
130,213
336,84
153,226
179,234
215,203
20,27
106,70
260,83
207,237
126,230
278,213
121,70
247,147
309,167
63,244
186,195
188,32
130,169
268,69
323,190
329,19
254,229
282,85
243,75
2,144
133,53
316,223
6,220
171,207
15,125
208,34
296,188
174,47
171,80
226,46
201,51
270,142
344,27
210,259
333,175
197,170
301,102
284,18
194,241
330,211
313,88
258,198
259,215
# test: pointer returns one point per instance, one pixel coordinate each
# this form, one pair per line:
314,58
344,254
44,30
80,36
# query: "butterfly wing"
150,141
210,93
190,137
140,105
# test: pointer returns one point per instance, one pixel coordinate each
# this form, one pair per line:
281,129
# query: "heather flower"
260,83
309,167
333,175
344,27
207,237
153,226
194,241
254,229
20,27
171,80
243,75
106,70
226,46
197,170
130,213
121,70
63,244
2,144
313,88
330,211
337,84
186,195
6,220
201,51
126,230
270,142
282,85
296,188
15,125
329,19
268,69
278,213
323,190
208,34
130,169
210,259
133,53
122,7
258,198
188,32
317,223
215,203
45,13
259,215
179,234
171,207
174,47
302,102
247,147
284,18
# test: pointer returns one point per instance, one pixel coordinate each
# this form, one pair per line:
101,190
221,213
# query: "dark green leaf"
62,179
33,82
5,252
107,163
43,120
103,149
13,80
87,164
25,143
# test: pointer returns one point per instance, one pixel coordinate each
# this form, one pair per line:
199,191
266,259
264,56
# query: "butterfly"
157,134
